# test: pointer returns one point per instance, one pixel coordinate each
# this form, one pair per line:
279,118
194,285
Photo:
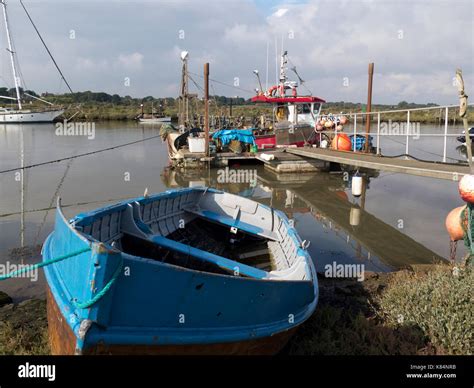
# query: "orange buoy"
341,142
453,224
319,127
466,188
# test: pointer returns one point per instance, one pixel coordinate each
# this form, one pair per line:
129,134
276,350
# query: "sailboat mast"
10,50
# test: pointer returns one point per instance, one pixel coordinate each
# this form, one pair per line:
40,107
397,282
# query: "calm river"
399,222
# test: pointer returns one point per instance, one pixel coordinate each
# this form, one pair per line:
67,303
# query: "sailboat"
21,115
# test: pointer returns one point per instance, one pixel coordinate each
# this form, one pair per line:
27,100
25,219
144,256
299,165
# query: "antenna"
301,80
266,76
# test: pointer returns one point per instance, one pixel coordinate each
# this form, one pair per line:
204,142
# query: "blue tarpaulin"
242,135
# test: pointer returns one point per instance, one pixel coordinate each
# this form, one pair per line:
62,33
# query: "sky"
133,47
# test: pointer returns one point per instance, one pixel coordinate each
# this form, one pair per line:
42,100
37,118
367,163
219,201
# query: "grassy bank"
410,312
419,311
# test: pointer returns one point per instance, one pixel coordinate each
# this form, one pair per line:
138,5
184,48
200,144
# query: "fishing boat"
21,115
155,120
294,117
187,271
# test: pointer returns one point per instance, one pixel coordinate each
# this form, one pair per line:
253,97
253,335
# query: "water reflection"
325,213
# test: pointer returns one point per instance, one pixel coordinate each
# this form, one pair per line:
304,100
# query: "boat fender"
356,186
454,224
466,188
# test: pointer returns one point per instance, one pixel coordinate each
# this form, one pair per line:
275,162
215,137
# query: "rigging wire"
46,47
223,83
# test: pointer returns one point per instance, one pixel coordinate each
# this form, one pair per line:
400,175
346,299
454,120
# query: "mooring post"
369,107
463,115
206,106
445,133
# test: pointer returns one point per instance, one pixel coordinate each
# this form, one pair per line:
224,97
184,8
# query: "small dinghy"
462,138
188,271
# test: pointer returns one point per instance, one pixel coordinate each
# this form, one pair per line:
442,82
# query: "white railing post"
378,134
355,131
446,133
408,130
355,134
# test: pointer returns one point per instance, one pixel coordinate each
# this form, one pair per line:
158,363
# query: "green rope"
78,305
42,264
100,294
467,224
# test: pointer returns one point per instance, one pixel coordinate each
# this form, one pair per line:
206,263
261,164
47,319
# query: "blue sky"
416,45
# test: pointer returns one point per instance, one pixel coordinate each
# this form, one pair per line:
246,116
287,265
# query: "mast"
184,97
10,50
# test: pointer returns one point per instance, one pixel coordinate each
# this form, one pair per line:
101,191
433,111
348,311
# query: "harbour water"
400,220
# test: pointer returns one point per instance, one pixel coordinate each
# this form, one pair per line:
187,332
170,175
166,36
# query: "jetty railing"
376,116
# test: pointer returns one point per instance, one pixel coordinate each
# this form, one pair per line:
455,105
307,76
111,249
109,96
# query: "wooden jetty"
282,162
378,162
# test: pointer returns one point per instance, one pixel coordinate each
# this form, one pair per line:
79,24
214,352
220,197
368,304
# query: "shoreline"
351,318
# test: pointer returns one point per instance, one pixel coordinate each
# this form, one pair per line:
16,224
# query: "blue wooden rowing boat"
188,271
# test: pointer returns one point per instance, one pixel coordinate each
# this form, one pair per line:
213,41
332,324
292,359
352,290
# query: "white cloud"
132,61
332,40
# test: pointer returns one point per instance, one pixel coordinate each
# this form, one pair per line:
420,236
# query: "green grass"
18,341
440,303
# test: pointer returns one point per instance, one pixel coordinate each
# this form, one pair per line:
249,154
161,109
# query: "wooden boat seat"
233,223
220,261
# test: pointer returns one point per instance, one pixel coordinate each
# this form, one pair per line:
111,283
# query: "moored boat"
187,271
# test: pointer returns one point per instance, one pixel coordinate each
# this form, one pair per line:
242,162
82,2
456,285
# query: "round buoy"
343,120
319,127
341,142
339,128
357,186
466,188
354,216
453,224
328,123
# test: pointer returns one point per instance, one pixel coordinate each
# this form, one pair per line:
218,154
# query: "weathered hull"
156,295
63,342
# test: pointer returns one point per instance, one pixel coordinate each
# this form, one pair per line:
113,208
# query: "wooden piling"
369,107
206,105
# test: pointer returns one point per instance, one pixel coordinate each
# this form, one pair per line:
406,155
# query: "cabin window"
316,108
303,108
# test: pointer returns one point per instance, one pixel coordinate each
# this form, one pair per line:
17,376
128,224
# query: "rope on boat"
101,293
43,264
79,305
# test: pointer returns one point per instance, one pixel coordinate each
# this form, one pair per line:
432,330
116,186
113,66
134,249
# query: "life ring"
271,91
